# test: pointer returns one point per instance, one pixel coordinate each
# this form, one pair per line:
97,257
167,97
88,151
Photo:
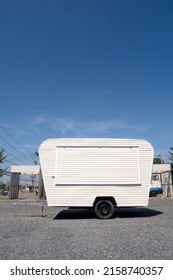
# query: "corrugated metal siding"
80,195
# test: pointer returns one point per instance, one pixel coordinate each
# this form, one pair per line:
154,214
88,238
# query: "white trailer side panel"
76,171
97,165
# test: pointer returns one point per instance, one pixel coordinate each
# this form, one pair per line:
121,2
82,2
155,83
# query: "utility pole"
161,158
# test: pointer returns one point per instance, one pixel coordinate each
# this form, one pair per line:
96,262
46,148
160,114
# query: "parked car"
155,191
3,192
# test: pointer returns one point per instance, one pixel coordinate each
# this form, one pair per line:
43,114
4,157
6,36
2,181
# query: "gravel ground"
61,233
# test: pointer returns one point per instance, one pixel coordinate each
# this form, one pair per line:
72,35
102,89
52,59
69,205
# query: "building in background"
161,180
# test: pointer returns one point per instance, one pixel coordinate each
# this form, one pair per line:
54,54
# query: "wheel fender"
110,198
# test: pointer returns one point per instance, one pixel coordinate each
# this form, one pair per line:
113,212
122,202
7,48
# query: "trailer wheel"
104,209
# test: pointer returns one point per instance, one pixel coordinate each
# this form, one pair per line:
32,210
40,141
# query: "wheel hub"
104,209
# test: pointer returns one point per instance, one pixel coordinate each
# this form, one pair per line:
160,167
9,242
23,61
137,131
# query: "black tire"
152,194
104,209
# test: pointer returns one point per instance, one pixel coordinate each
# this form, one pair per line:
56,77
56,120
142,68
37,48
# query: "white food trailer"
100,173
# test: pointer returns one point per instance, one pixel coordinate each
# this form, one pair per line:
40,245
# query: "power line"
18,159
11,162
15,140
14,148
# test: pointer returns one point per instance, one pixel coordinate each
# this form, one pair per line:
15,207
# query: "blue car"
155,191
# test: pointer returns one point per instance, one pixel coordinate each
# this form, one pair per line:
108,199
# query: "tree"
171,154
2,158
158,160
171,159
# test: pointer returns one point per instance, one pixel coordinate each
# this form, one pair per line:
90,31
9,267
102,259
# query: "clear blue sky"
90,68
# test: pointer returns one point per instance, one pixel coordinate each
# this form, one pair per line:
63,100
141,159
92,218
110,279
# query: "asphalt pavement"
32,230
